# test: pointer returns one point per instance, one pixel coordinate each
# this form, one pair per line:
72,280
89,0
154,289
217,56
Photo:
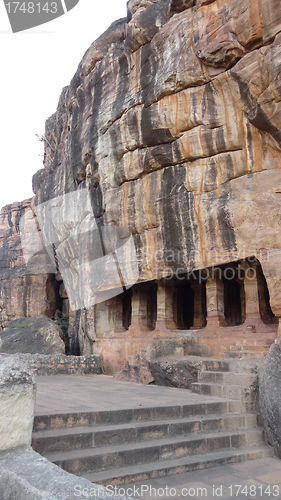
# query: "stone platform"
114,433
88,393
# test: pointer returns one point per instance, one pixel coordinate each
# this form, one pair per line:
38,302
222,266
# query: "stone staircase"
124,446
251,349
220,378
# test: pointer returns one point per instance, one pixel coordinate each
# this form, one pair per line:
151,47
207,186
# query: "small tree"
63,322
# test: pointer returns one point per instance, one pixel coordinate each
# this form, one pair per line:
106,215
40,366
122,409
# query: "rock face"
172,124
24,291
184,148
270,395
32,335
17,401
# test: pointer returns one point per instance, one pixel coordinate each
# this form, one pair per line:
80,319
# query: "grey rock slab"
269,376
25,475
17,402
32,335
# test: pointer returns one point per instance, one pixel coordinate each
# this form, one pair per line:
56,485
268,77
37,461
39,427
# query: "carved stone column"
242,299
252,283
215,299
164,306
169,305
251,287
199,305
139,309
118,314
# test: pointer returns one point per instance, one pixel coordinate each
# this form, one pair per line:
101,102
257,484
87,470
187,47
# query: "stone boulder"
175,371
26,475
17,401
32,335
269,374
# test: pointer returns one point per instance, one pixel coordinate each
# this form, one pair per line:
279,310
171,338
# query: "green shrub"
63,322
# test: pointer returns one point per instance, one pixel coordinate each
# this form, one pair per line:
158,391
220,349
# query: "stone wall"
59,364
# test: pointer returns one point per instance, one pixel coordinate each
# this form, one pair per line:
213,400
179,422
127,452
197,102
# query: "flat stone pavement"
255,479
78,393
258,479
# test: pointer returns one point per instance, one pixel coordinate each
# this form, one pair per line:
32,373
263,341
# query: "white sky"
35,65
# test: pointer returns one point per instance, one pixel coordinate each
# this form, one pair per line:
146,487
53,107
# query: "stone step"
97,459
144,414
152,470
227,364
246,354
265,340
250,341
220,390
221,364
75,438
247,347
243,379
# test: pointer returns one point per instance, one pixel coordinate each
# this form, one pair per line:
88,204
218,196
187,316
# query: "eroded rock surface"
174,372
17,401
269,374
26,475
172,124
184,148
32,335
24,291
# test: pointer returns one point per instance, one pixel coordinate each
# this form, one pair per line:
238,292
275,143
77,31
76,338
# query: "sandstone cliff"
24,292
172,123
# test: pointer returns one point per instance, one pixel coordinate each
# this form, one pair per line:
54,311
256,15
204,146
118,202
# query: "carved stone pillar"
251,288
164,306
169,305
252,283
215,299
242,299
199,305
139,309
118,314
104,319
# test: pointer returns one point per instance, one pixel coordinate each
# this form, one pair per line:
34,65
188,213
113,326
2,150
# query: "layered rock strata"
172,124
24,291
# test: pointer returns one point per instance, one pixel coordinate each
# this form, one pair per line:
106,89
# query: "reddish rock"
172,123
24,291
